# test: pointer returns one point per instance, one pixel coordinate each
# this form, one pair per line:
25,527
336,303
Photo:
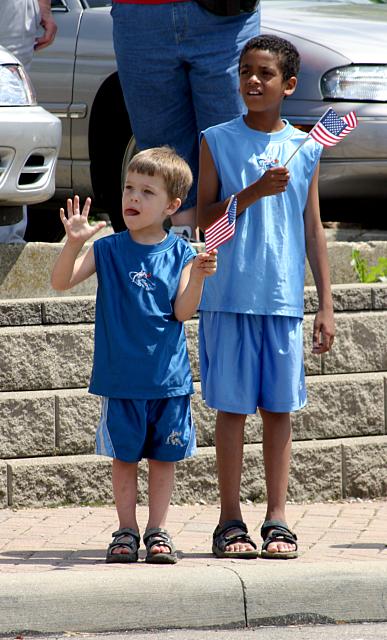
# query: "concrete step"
25,269
45,357
48,420
63,422
80,309
321,470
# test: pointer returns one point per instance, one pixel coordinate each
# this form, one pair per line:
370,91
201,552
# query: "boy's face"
146,203
262,85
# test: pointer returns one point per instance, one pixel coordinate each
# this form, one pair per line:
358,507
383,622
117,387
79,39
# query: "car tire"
10,215
109,132
44,223
131,151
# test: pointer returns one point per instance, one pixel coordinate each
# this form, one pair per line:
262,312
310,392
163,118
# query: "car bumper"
30,139
353,178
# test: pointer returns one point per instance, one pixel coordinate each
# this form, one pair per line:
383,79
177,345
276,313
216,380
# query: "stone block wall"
48,419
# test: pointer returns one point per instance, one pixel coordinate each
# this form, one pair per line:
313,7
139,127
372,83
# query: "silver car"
343,46
30,139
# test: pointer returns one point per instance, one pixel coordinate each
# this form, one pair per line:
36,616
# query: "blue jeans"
178,68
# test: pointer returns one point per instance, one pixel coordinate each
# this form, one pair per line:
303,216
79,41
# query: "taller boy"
251,344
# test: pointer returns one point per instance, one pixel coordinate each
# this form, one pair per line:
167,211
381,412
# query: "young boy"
149,283
251,347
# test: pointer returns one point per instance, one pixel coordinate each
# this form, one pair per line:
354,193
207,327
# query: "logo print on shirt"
267,163
142,279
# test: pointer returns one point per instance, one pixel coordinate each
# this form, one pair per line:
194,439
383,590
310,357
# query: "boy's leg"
160,486
229,435
277,443
124,479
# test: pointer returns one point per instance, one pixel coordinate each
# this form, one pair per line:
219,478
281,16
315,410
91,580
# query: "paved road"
53,578
321,632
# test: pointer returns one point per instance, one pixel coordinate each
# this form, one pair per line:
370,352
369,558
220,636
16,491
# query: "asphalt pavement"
53,577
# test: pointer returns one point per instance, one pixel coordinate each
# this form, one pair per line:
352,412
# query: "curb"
236,595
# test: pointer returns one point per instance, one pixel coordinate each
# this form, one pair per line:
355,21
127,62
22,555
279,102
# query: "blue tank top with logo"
140,349
261,269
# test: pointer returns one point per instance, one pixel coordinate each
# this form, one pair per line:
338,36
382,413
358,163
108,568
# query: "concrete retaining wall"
47,418
25,269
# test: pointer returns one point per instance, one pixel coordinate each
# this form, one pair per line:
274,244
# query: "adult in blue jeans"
178,68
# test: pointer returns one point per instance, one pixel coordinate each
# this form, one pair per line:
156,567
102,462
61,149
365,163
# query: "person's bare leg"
229,435
277,444
161,480
124,479
187,217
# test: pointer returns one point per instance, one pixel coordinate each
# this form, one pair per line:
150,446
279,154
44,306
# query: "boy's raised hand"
204,265
273,181
76,224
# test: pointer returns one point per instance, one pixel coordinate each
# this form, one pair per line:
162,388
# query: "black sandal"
159,537
230,532
127,538
277,531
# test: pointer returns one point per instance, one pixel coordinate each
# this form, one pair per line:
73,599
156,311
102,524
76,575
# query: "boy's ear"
173,206
290,86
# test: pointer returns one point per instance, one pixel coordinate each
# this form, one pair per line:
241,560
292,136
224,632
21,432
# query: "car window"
99,3
59,5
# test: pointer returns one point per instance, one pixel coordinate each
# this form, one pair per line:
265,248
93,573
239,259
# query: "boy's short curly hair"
164,162
286,53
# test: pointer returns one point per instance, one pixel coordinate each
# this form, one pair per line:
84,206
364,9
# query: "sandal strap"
231,531
276,530
229,524
158,536
126,532
279,525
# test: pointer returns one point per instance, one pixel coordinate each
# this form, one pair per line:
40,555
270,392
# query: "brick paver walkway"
74,538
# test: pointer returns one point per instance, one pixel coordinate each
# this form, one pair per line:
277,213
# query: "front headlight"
355,83
15,86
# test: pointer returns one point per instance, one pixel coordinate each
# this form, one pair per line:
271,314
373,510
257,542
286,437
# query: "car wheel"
44,223
109,133
10,215
131,151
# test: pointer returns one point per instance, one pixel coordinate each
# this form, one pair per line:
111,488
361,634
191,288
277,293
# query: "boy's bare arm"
69,269
191,284
316,248
209,209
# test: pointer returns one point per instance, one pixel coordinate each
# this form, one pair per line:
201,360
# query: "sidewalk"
53,577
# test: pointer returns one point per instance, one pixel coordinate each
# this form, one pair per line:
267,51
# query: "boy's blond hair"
164,162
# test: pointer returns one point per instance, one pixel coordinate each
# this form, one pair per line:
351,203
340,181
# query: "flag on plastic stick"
331,129
222,229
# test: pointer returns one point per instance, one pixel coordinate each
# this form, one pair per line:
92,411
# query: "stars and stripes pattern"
222,229
331,128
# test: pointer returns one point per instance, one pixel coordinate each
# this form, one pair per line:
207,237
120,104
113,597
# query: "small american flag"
330,129
222,229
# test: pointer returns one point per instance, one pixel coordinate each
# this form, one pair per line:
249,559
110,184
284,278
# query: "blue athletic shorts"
249,361
161,429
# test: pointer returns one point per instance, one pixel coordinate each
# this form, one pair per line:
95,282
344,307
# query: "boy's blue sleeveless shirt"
261,269
140,348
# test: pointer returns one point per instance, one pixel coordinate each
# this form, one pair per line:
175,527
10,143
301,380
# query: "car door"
52,73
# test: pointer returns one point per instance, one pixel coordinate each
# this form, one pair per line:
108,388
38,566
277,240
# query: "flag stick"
305,139
294,152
